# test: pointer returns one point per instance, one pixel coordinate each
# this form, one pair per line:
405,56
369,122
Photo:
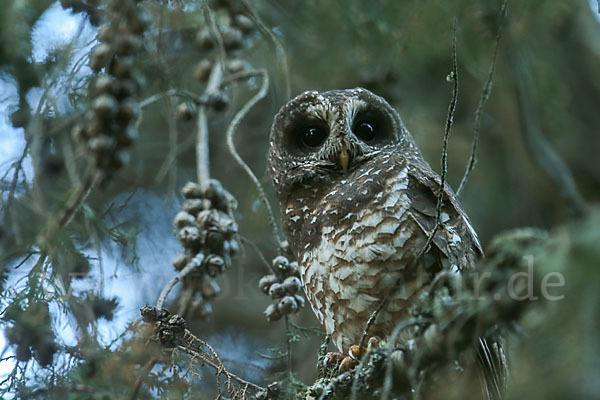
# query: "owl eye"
364,130
313,136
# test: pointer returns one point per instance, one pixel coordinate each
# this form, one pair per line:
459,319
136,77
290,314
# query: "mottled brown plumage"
358,202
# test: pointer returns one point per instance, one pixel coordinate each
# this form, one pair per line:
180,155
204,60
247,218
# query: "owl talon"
349,361
344,361
333,358
348,364
357,352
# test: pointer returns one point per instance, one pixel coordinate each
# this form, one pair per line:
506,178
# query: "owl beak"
344,157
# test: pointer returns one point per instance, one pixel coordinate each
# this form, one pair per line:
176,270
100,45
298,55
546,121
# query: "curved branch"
170,93
177,278
485,94
262,92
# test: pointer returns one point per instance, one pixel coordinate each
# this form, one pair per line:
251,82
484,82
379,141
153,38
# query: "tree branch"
202,153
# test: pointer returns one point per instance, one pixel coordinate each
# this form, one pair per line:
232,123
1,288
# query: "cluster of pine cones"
208,233
283,287
234,27
106,130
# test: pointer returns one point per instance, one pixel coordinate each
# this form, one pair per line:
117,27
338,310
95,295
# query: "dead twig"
192,345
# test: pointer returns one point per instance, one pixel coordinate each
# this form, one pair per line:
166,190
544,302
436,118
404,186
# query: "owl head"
331,134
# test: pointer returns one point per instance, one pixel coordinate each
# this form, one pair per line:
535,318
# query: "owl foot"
344,361
349,361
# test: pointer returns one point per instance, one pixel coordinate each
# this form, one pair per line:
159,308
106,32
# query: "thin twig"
388,380
444,159
288,343
177,278
176,150
18,165
485,94
231,146
354,388
168,165
261,256
78,198
71,206
171,93
238,76
25,259
440,200
159,96
276,42
70,163
374,315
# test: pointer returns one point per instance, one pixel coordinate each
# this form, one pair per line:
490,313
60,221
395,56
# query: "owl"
358,202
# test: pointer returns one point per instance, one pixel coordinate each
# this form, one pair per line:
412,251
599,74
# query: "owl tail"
494,367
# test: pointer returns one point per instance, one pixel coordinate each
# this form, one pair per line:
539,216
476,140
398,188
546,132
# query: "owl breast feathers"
358,202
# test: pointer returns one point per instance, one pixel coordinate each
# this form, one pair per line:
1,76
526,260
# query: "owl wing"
457,241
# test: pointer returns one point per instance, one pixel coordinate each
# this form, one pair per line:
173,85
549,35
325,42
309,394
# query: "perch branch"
171,332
